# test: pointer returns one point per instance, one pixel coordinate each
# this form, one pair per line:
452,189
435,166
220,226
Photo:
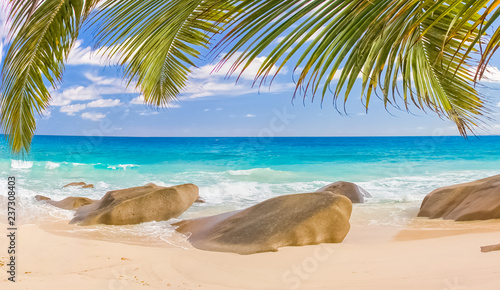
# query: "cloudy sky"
93,98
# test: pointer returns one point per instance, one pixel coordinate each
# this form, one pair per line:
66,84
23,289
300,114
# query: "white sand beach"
428,254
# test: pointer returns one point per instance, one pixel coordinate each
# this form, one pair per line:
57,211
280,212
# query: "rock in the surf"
138,205
476,200
81,184
288,220
352,191
70,203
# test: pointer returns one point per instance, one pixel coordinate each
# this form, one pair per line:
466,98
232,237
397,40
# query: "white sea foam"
21,164
414,188
258,171
264,175
242,194
102,185
52,165
78,164
122,166
248,171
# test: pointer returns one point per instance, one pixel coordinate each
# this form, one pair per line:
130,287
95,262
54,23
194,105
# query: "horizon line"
317,136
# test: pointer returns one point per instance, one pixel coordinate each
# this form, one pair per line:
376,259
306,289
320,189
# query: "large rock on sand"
355,193
138,204
476,200
70,203
289,220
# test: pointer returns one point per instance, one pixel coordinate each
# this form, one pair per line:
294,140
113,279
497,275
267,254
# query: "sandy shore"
426,255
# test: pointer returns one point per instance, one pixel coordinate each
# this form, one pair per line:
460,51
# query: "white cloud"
86,56
337,74
100,86
279,39
148,113
311,38
209,70
250,116
217,109
107,85
317,7
138,100
79,93
102,103
99,80
316,33
173,106
93,116
4,15
58,100
46,115
213,88
70,110
4,25
491,75
101,4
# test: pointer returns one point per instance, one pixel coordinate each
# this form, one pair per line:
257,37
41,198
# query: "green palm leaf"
379,41
44,33
157,41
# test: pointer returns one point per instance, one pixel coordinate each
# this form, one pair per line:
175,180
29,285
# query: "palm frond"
158,41
43,33
380,41
490,15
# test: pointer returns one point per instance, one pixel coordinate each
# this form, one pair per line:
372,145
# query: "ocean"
235,173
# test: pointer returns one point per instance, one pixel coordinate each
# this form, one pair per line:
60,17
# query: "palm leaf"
493,12
422,42
158,41
44,33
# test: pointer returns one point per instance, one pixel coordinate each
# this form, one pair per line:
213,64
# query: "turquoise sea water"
235,173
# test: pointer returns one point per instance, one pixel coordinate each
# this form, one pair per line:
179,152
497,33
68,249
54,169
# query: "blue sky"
93,99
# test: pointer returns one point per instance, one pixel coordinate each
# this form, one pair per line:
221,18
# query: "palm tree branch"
374,40
158,41
42,35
